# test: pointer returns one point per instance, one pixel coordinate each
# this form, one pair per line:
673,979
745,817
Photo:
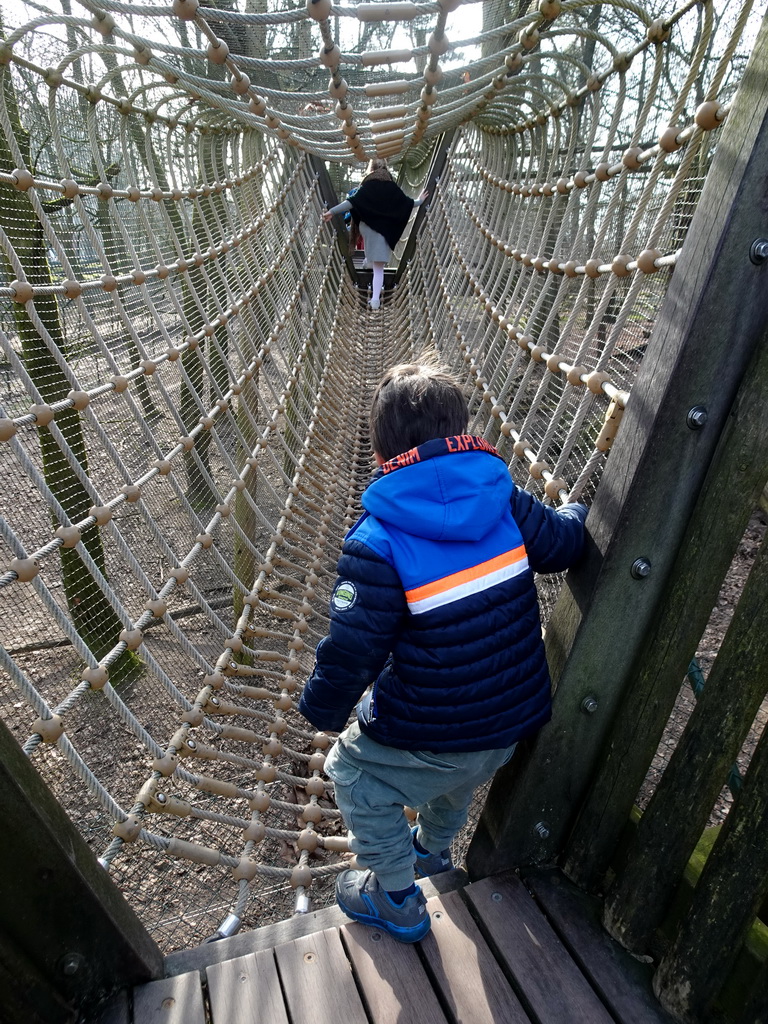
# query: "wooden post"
725,900
329,198
673,822
711,320
433,178
67,936
727,499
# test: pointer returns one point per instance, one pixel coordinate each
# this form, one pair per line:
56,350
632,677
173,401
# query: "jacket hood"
448,489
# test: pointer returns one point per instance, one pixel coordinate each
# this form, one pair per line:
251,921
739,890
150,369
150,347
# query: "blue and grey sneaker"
426,863
360,896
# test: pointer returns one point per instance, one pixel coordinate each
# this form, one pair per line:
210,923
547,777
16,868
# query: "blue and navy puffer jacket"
435,604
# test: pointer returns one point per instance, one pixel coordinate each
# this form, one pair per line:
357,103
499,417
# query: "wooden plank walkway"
499,952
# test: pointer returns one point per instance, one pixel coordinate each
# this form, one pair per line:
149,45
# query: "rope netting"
187,363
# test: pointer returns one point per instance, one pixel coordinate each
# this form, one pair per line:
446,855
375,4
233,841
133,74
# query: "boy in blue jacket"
434,605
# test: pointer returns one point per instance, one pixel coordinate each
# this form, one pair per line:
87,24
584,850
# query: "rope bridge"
187,364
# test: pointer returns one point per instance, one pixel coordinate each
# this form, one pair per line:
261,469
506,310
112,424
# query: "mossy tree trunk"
91,613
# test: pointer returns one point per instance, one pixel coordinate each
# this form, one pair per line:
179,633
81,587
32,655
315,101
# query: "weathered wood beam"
711,321
725,900
434,174
329,197
727,500
674,820
64,926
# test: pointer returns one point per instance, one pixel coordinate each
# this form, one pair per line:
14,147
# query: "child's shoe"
360,896
374,303
427,864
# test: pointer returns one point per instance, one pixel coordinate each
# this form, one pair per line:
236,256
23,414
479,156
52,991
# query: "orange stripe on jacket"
466,575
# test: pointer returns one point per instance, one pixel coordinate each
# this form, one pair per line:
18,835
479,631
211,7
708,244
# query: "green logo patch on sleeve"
344,596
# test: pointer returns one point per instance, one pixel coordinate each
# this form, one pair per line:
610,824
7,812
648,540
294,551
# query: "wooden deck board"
492,957
544,973
623,982
246,990
317,980
463,968
392,978
170,1001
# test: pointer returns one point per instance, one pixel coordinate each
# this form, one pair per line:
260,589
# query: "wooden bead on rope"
259,802
97,677
132,638
255,832
592,268
132,492
21,291
217,52
601,172
438,44
186,9
619,265
68,535
329,56
7,429
553,487
301,877
646,261
537,469
319,10
668,140
519,448
103,22
312,813
307,840
241,85
245,870
657,32
528,37
575,374
48,729
25,568
22,179
706,116
595,381
550,9
43,415
631,158
101,513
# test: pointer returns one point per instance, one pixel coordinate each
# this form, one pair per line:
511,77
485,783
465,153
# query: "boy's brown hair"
414,403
